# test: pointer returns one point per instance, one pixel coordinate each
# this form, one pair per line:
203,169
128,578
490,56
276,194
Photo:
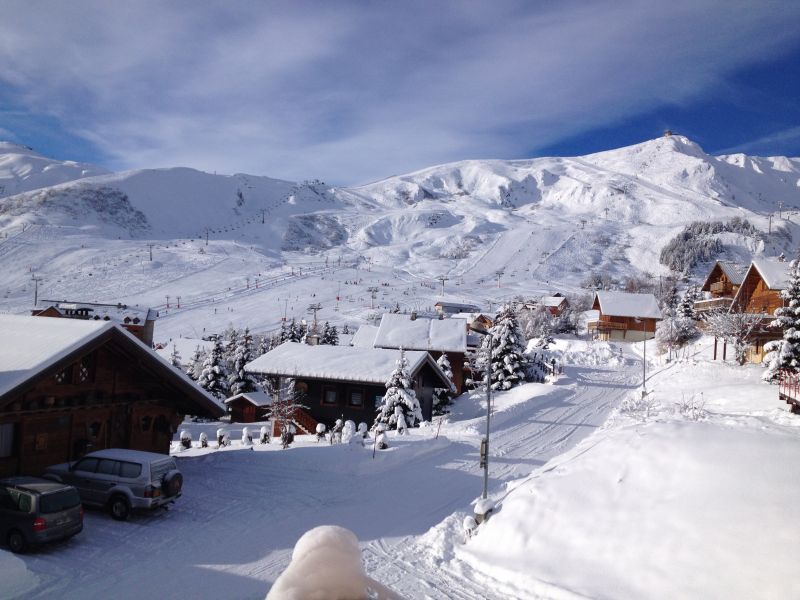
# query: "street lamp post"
485,441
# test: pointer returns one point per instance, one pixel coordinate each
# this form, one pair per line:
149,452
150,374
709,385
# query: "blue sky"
353,91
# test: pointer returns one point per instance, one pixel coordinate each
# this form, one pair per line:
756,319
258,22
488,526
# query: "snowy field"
593,501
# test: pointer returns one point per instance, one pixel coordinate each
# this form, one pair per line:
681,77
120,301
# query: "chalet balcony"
600,325
702,306
721,288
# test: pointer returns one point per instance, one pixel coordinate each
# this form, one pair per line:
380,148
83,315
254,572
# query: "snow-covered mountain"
22,170
544,223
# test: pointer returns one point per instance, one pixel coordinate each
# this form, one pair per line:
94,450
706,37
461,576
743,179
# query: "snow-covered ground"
592,501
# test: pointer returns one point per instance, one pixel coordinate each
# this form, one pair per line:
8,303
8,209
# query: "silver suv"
122,480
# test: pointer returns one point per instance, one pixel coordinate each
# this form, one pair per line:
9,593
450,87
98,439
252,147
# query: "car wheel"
119,507
172,483
16,541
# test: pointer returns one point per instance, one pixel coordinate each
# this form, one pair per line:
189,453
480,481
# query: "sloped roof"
258,398
624,304
460,306
442,335
341,363
29,346
365,336
553,301
774,273
103,312
733,270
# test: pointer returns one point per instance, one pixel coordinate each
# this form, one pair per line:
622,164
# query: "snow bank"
15,578
667,510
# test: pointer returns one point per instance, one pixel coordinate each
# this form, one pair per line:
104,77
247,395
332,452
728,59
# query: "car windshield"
60,500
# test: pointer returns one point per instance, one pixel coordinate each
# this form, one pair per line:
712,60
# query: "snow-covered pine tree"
284,335
785,353
213,379
293,333
239,381
326,334
508,363
399,393
232,337
195,366
264,344
175,358
304,330
346,329
441,396
686,305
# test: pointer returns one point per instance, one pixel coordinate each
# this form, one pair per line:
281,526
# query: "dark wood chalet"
249,407
624,317
68,387
346,382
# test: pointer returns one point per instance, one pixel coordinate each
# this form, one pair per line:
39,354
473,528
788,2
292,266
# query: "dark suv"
122,480
35,511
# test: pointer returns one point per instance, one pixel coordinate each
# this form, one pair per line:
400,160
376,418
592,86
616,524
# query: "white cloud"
356,91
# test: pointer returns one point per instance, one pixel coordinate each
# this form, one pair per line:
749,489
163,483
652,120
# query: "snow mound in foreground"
326,565
16,579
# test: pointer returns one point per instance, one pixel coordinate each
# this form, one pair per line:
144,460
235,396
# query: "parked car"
122,480
34,511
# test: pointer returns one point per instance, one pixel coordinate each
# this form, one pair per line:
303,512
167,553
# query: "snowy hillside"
544,224
22,169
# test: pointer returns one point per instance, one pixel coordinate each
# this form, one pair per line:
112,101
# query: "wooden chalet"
68,387
555,304
249,407
345,382
436,336
624,317
720,286
476,322
139,321
760,294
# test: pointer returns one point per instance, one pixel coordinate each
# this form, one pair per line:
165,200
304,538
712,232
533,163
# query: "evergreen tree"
232,336
686,306
175,358
294,332
330,335
399,393
441,396
507,352
195,366
785,353
264,344
283,335
239,381
346,329
213,379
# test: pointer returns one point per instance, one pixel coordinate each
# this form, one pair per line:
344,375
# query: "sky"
353,91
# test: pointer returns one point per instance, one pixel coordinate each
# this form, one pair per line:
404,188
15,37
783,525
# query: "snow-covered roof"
624,304
257,398
774,273
457,306
103,312
342,363
469,316
553,301
442,335
365,336
733,270
29,345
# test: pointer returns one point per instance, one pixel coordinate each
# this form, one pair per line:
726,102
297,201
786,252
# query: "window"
129,470
60,500
106,466
87,465
6,440
357,398
86,370
64,376
329,396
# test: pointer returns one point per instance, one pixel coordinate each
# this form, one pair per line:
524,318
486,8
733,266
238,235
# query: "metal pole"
488,417
644,366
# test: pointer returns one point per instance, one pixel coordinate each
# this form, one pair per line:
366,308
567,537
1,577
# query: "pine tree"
283,335
195,366
346,329
330,335
507,362
212,379
785,353
239,381
686,306
293,334
264,344
175,358
441,396
399,393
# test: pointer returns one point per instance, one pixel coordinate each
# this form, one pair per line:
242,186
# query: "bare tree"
286,402
737,328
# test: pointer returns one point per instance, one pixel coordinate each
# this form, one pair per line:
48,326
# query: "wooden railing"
601,325
713,304
304,421
721,287
789,386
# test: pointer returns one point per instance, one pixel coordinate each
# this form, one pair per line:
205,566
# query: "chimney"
413,315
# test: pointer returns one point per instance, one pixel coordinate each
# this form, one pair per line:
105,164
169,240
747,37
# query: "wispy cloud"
352,91
768,143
